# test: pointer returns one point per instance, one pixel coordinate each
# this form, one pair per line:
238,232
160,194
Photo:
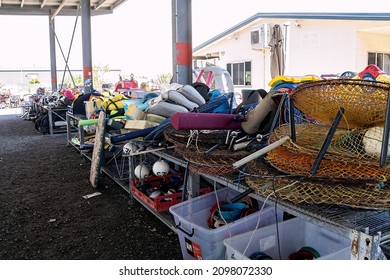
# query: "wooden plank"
98,151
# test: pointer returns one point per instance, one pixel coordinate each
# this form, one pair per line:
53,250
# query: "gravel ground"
44,216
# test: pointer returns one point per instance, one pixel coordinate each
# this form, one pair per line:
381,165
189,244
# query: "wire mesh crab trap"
206,151
364,101
329,161
345,159
301,190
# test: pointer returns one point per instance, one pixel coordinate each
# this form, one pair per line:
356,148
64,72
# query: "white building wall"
237,48
261,73
314,47
321,47
369,42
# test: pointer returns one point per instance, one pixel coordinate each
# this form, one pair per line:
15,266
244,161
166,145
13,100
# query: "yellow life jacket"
114,106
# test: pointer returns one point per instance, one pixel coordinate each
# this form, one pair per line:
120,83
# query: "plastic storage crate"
198,240
292,235
163,202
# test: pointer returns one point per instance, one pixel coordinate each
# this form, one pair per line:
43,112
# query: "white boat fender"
372,141
165,109
156,100
180,99
192,94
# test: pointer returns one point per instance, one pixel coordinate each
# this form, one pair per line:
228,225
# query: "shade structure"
276,44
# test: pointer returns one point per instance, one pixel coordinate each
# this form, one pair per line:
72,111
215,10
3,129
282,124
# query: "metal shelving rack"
51,112
368,230
72,125
111,168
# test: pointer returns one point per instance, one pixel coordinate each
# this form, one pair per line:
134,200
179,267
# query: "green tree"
164,78
77,79
98,74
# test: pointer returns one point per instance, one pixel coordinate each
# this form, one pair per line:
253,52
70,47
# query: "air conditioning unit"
260,36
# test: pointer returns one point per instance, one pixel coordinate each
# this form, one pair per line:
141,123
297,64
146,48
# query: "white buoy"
372,141
129,148
160,168
141,171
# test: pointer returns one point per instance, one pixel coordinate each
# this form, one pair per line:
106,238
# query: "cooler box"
198,240
294,234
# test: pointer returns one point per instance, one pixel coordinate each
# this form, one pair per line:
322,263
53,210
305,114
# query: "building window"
382,60
241,73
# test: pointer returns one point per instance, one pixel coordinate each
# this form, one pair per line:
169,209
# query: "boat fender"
165,109
192,94
180,99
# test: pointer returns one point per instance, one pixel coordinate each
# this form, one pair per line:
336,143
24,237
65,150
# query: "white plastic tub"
291,236
198,240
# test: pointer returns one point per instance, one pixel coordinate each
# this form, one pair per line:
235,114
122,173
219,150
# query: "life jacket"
114,106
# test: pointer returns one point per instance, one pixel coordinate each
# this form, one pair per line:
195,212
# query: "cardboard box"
133,112
139,124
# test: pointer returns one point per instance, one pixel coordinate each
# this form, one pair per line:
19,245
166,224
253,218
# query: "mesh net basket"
364,101
345,159
192,145
298,190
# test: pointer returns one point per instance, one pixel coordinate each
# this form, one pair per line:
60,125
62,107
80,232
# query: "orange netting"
345,158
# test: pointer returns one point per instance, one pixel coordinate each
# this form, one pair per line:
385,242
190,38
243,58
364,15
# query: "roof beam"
43,3
63,3
100,4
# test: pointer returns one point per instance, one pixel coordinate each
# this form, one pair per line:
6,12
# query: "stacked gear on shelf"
205,151
334,155
176,98
286,84
212,140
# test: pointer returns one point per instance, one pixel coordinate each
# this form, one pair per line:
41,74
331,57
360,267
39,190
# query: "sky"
137,37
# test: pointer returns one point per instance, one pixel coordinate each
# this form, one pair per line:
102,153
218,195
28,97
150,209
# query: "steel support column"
87,45
53,61
182,41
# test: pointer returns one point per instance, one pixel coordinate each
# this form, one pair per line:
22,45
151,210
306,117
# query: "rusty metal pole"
182,41
87,45
53,62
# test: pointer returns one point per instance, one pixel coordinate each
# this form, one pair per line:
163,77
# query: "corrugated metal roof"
55,7
328,16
